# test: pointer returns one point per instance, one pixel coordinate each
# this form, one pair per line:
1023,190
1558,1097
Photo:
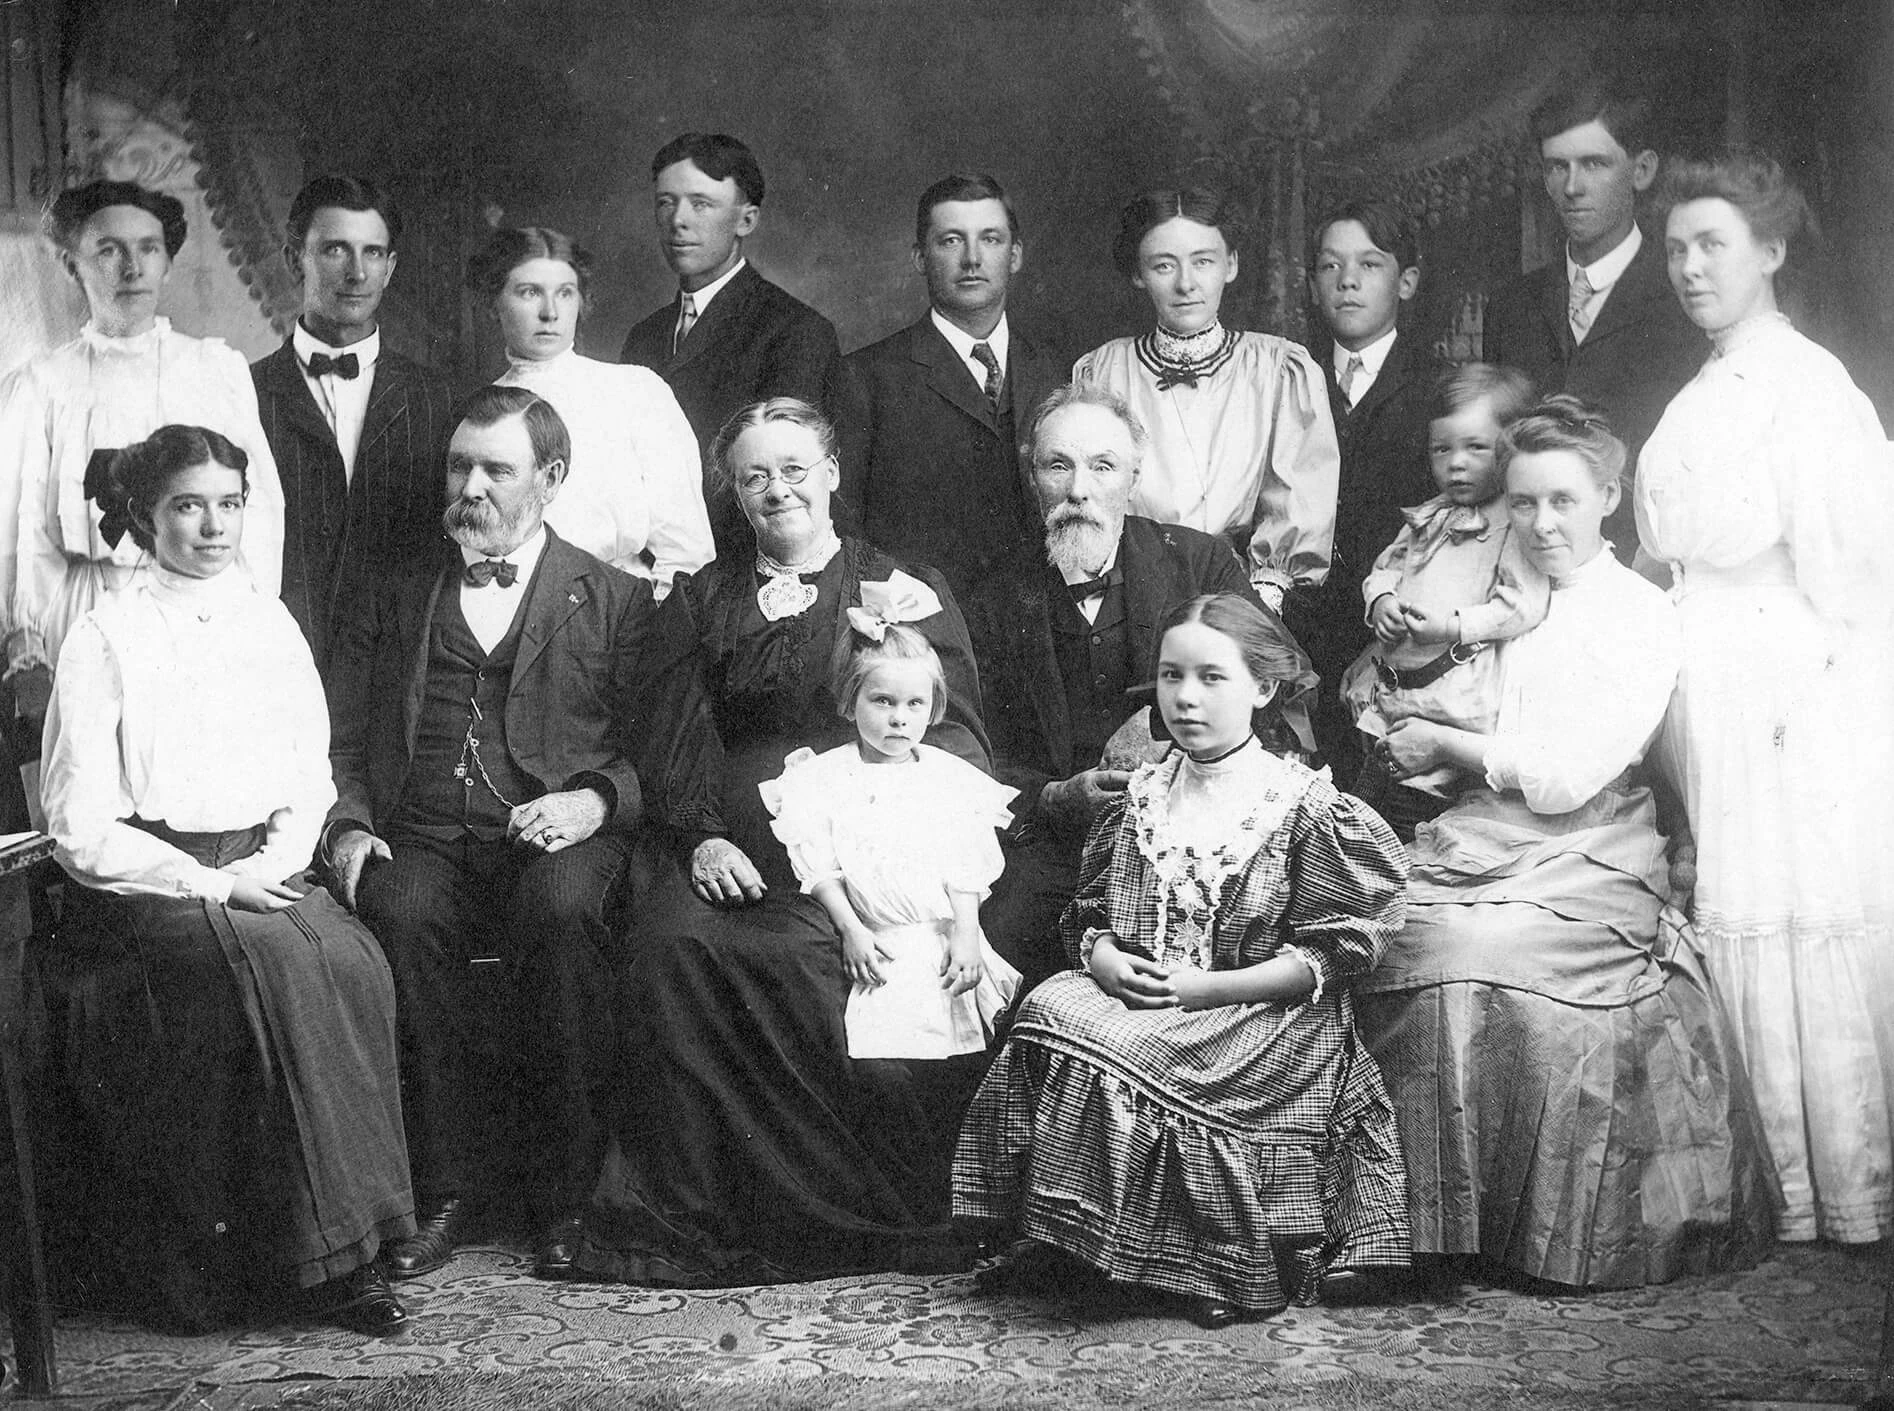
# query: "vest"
1094,662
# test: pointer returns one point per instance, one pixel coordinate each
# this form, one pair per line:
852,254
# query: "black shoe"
557,1256
1354,1287
1211,1313
438,1232
362,1302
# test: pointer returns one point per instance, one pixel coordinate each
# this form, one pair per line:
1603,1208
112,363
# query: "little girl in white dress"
896,840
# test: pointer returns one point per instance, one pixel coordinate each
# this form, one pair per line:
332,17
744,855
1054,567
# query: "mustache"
1069,516
470,514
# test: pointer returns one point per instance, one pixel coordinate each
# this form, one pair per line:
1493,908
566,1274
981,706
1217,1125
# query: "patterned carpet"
1803,1328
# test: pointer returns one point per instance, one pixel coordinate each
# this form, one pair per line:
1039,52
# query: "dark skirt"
232,1074
751,1148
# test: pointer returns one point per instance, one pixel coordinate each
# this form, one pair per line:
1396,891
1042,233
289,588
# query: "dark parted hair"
343,193
1507,388
137,477
1270,652
1389,227
1566,423
512,246
962,186
1145,212
1625,113
545,428
718,156
74,207
1752,181
855,656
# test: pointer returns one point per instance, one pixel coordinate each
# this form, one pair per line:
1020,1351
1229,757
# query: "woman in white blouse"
61,416
1569,1102
1766,489
634,493
1242,439
225,1034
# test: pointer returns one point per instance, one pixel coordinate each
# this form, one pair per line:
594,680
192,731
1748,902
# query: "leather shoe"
1211,1313
362,1302
436,1235
557,1256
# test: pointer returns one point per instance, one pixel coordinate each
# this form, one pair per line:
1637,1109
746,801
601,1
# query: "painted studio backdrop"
548,111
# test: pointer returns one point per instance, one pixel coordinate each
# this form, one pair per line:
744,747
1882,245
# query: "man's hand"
553,822
1384,616
348,855
1073,803
723,876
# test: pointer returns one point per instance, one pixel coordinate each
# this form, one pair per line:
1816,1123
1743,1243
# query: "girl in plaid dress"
1188,1109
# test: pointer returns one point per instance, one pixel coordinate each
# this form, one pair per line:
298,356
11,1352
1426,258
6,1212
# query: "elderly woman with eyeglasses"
755,1150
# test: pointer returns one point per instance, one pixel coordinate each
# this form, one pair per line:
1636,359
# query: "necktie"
1093,587
480,574
345,366
983,355
686,321
1349,374
1578,307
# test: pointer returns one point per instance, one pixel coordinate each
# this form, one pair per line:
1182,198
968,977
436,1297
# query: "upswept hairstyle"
1625,114
509,247
1507,388
73,208
1144,213
342,193
790,409
1752,181
962,186
855,656
718,156
1388,224
545,428
1270,652
1567,423
1083,394
134,480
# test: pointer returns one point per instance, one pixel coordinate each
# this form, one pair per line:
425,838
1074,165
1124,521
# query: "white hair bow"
901,599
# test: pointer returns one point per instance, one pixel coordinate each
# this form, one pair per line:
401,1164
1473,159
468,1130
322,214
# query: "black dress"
752,1148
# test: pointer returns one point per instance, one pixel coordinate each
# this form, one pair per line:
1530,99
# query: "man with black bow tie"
357,429
1061,638
501,722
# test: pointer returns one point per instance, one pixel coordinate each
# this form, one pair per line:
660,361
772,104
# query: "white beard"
1079,546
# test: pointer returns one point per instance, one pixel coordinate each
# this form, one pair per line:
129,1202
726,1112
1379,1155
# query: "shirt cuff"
1316,968
207,884
1502,765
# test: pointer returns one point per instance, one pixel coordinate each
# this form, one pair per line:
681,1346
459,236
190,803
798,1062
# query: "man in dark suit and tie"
730,337
358,430
503,716
930,458
1380,379
1060,637
1603,322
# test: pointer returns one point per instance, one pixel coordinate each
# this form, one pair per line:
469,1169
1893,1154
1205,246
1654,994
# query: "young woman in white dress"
1242,439
634,494
1765,488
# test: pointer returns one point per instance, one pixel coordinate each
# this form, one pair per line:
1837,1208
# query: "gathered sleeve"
263,511
84,790
666,453
800,802
1389,565
1347,886
1293,540
299,729
25,473
1091,906
979,807
1517,603
1833,470
1580,701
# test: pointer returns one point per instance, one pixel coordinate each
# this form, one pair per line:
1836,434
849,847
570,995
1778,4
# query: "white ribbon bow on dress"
901,599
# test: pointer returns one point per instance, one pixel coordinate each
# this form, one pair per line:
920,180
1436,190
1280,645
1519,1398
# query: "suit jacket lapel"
1394,373
1554,306
947,375
284,376
417,608
387,401
558,590
1040,668
727,310
1645,279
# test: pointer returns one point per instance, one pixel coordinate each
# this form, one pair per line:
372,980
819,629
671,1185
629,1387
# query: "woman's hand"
248,894
961,967
1195,989
723,876
1384,616
1431,628
1411,747
1133,981
863,957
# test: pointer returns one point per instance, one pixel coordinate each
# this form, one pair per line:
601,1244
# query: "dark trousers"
1021,916
547,917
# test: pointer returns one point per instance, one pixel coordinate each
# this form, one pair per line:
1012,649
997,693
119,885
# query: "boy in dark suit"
358,430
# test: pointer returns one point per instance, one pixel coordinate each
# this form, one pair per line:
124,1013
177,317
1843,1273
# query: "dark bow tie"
1093,587
346,365
483,572
1169,377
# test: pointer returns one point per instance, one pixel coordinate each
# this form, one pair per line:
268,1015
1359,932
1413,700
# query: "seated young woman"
1188,1110
1570,1103
223,1036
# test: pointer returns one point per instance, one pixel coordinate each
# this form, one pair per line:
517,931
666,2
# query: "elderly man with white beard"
1062,639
